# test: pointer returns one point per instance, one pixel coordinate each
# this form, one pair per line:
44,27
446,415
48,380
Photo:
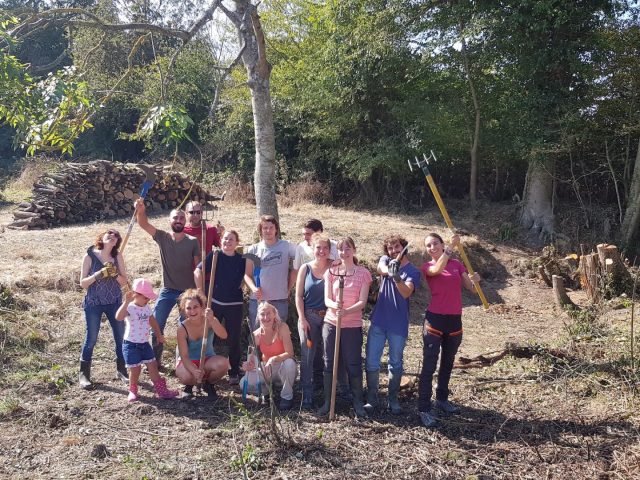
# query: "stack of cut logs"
83,192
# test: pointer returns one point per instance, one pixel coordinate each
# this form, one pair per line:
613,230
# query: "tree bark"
631,221
537,211
258,70
562,299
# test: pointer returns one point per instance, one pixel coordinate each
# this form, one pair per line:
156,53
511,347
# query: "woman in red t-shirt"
442,324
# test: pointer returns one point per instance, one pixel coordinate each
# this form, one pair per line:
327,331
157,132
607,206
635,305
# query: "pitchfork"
336,353
424,165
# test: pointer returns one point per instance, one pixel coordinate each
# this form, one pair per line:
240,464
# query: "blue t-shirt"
391,311
227,288
313,296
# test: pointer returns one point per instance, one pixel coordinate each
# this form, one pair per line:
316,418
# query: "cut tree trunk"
537,211
618,278
562,299
590,275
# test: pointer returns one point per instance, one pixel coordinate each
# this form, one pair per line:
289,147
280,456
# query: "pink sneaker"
162,391
133,393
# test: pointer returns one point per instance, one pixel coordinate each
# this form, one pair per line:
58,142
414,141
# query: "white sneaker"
428,419
447,407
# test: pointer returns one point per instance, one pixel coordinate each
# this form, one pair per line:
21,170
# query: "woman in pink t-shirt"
354,299
442,324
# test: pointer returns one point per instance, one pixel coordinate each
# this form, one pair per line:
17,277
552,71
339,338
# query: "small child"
136,348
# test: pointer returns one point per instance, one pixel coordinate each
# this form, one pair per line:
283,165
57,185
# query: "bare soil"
540,417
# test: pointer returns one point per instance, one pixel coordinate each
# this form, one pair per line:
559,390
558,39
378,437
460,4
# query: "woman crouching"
273,339
190,339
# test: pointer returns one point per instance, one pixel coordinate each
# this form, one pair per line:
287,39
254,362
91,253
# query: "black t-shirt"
229,275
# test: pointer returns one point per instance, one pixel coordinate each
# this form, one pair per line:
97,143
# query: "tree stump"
590,276
618,279
562,299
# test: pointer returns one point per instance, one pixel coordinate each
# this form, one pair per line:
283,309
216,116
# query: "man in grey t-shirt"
275,256
178,253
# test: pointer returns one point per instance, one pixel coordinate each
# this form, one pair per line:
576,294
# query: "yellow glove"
109,270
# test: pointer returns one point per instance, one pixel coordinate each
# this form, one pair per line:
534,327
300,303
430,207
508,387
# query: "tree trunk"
562,299
473,176
631,221
537,211
258,76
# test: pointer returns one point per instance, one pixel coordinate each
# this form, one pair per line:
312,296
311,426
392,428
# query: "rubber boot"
210,390
394,388
162,391
327,380
307,398
373,384
84,380
356,392
133,393
157,351
122,372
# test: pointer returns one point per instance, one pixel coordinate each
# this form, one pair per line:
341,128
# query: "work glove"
109,270
394,269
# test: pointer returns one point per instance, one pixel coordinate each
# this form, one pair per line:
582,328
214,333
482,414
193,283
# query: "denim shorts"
135,354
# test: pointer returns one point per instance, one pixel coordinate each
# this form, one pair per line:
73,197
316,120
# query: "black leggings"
440,332
232,316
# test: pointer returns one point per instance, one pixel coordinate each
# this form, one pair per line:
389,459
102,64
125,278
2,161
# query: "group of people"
331,290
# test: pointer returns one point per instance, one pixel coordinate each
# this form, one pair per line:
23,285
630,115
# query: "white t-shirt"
304,254
137,323
274,270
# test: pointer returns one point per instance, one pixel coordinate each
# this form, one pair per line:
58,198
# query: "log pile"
98,190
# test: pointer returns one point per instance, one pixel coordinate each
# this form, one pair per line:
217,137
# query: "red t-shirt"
212,236
446,296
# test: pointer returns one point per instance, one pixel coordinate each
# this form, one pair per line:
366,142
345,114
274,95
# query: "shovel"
150,178
424,165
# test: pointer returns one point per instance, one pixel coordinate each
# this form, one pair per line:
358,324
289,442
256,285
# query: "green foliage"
166,122
248,460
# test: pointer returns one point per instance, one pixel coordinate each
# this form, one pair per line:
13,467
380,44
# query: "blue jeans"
376,338
282,306
167,299
93,316
307,355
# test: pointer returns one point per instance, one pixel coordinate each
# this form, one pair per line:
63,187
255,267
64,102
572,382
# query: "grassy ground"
566,409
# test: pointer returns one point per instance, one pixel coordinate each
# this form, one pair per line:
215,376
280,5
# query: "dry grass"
522,418
19,189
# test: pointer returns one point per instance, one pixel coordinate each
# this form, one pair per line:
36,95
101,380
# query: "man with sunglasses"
178,253
194,223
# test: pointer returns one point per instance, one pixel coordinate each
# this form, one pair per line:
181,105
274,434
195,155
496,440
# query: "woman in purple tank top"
103,273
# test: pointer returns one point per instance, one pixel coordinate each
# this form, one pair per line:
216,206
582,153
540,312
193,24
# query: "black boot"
327,380
84,380
122,372
210,390
394,388
356,392
373,384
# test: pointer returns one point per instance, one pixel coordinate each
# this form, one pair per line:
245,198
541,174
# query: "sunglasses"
114,233
194,212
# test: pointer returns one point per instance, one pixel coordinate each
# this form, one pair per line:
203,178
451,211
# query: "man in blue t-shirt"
390,320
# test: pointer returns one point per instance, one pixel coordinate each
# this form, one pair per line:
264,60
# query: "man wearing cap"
178,253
